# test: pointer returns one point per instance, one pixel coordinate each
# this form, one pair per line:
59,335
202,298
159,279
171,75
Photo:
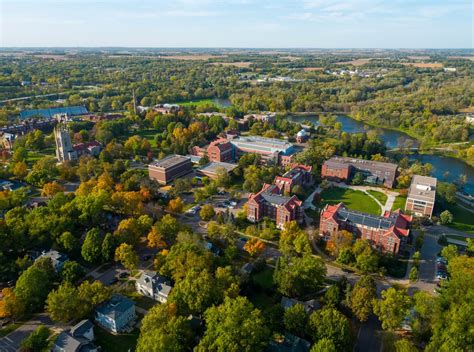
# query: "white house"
152,285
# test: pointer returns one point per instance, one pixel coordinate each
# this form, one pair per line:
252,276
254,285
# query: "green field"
199,102
118,343
463,219
355,200
147,134
381,197
399,202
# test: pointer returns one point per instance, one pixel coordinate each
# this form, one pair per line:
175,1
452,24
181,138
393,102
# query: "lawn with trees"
353,199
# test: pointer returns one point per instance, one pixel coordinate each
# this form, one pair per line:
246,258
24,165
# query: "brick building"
344,168
298,175
220,150
272,150
389,232
269,202
422,195
170,168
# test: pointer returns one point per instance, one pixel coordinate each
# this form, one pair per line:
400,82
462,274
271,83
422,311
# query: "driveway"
11,342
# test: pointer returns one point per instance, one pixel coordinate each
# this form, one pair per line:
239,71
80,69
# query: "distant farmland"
423,64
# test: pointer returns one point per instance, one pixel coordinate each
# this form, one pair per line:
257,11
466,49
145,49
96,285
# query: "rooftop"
169,161
156,282
213,167
423,187
49,113
268,145
360,163
115,306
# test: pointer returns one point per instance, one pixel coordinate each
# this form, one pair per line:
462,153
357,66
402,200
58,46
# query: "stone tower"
64,148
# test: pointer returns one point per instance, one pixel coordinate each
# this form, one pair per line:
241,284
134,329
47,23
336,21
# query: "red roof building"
298,175
269,202
388,232
220,150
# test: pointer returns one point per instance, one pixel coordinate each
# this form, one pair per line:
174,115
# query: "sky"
238,23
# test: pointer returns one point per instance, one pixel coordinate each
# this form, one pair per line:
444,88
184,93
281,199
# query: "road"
369,337
439,230
11,342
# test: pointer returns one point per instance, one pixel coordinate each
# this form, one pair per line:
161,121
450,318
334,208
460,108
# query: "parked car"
123,275
441,260
441,275
441,267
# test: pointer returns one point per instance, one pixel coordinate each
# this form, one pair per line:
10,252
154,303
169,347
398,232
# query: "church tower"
64,149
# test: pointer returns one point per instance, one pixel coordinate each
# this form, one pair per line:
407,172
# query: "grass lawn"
199,102
147,134
463,219
381,197
455,237
144,302
116,343
264,278
355,200
399,202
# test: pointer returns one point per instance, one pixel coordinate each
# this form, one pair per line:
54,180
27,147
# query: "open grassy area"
199,102
399,202
381,197
147,134
463,219
118,343
355,200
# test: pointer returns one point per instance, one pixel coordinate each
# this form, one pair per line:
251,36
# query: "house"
154,286
269,202
263,117
78,339
211,247
116,315
6,140
388,232
169,168
421,196
342,169
288,343
309,306
297,175
167,108
302,136
57,259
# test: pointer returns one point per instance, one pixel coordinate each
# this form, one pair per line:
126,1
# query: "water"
395,139
392,139
454,167
223,102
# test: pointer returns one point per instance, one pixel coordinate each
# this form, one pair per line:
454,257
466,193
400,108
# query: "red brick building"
389,232
269,202
298,175
170,168
220,150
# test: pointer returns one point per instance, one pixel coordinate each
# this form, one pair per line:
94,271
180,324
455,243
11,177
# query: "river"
396,139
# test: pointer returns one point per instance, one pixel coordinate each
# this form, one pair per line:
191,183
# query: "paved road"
369,337
11,342
439,230
428,257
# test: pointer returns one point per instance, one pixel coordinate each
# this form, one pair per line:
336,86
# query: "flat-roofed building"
344,168
213,169
170,168
422,195
272,150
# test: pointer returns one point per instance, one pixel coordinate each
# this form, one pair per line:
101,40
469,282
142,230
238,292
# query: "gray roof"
355,217
266,145
423,188
67,342
115,306
56,257
158,283
273,198
170,161
214,166
81,328
49,113
341,161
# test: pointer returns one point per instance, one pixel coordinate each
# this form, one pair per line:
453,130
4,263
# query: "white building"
154,286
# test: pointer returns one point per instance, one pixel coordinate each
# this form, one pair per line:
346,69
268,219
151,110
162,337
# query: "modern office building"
422,195
269,202
388,232
170,168
344,168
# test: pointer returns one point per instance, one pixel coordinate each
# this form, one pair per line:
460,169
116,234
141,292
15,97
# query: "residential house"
154,286
57,259
78,339
288,343
309,306
116,315
389,232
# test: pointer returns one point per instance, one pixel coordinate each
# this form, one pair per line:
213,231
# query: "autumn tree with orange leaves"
254,246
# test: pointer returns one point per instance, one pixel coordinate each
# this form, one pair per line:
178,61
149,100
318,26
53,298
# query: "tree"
449,252
293,240
51,188
33,287
71,271
340,241
254,246
163,231
63,303
108,247
333,295
358,179
175,205
223,178
68,242
127,256
330,324
446,217
324,345
234,326
470,246
297,276
9,305
404,345
38,340
163,330
393,308
362,296
295,319
91,248
20,169
413,276
184,257
207,212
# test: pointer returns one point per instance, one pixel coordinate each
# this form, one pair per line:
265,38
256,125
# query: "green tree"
184,257
446,217
393,308
449,252
404,345
293,240
207,212
63,304
362,296
324,345
297,276
295,319
127,256
68,242
91,248
162,330
413,274
71,271
108,247
333,295
330,324
38,340
234,326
